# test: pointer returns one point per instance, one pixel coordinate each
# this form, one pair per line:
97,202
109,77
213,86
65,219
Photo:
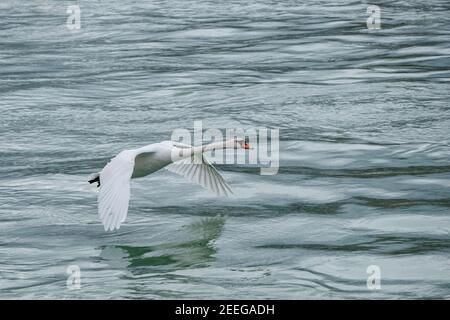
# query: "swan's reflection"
198,251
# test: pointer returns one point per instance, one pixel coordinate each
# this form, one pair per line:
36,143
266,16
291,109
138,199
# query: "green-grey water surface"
365,155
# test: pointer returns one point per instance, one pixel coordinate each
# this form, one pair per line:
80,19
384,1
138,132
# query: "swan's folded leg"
95,178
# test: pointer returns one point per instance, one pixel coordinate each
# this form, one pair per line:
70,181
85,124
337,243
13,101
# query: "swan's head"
242,143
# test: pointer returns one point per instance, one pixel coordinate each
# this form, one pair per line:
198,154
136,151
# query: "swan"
183,159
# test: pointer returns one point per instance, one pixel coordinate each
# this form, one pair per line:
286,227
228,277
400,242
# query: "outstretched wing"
114,193
201,172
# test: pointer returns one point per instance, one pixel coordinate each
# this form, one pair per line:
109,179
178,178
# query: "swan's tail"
95,178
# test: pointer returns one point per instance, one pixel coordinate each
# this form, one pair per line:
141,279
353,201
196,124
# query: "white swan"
183,159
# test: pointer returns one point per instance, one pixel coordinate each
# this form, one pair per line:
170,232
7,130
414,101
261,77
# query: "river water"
364,128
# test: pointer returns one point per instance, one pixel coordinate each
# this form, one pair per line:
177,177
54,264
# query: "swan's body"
152,158
185,160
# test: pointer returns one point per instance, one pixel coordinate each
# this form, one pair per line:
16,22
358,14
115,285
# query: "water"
364,127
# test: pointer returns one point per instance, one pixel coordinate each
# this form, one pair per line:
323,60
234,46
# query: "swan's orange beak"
247,146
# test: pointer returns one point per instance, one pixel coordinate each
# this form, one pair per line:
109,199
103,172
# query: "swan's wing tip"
114,192
111,228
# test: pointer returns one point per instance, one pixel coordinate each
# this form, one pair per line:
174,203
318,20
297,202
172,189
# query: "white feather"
202,173
114,193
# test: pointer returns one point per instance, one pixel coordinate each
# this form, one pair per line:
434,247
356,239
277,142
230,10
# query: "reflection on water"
199,251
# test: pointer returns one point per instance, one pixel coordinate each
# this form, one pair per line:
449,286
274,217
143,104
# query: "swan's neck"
178,154
214,146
